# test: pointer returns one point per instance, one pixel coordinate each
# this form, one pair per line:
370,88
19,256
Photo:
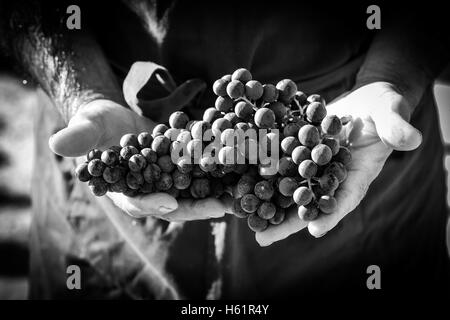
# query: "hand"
100,124
380,125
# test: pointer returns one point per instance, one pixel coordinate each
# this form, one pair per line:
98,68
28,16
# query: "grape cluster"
296,161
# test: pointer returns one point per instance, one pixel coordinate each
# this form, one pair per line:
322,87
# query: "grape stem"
310,188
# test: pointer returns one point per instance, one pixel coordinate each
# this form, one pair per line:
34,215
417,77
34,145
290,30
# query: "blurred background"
17,106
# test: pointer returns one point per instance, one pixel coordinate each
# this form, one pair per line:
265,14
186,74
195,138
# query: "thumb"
80,136
396,132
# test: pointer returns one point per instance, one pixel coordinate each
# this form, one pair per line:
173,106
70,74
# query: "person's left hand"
380,116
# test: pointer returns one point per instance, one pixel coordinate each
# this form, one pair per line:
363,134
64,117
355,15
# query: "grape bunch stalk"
272,147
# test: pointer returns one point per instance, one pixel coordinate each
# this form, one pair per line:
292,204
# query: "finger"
154,204
77,139
292,224
190,209
160,109
396,132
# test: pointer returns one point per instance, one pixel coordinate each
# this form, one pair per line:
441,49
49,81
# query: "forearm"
409,51
68,65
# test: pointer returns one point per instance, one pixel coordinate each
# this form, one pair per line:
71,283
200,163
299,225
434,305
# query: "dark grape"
327,204
307,169
279,217
253,90
343,156
98,186
129,139
235,89
145,140
302,196
270,93
224,104
96,167
331,125
279,110
266,210
264,118
338,170
127,152
287,167
110,157
166,164
211,114
137,162
256,223
243,110
301,153
321,154
287,186
283,201
242,75
159,129
119,186
161,145
200,188
328,183
82,172
220,87
332,143
236,209
315,112
165,182
181,180
134,180
149,155
308,213
94,154
250,203
309,136
264,190
113,174
288,145
184,165
232,117
287,89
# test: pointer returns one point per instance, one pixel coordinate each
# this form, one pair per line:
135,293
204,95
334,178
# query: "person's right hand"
100,124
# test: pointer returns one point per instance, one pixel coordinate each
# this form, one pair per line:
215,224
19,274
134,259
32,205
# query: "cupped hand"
379,125
101,123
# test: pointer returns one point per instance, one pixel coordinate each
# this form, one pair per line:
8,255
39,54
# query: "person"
391,209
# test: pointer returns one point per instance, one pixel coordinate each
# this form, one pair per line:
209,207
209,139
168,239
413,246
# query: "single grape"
315,112
308,213
321,154
137,162
245,185
226,77
242,75
283,201
287,167
184,137
291,129
172,134
98,186
149,155
235,89
279,110
328,183
94,154
220,125
190,124
236,209
256,223
220,87
109,157
161,145
264,190
166,164
178,120
159,129
243,110
232,117
145,140
343,156
224,104
250,203
82,172
134,180
302,196
327,204
200,188
287,89
332,143
331,125
266,210
264,118
279,217
301,153
199,129
165,182
113,174
96,167
309,136
287,186
270,93
152,173
337,169
253,90
211,114
307,169
207,164
181,180
288,145
129,139
127,152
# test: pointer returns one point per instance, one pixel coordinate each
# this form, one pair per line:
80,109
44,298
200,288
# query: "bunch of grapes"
202,158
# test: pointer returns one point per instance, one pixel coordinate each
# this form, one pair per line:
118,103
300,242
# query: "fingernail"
163,209
321,235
